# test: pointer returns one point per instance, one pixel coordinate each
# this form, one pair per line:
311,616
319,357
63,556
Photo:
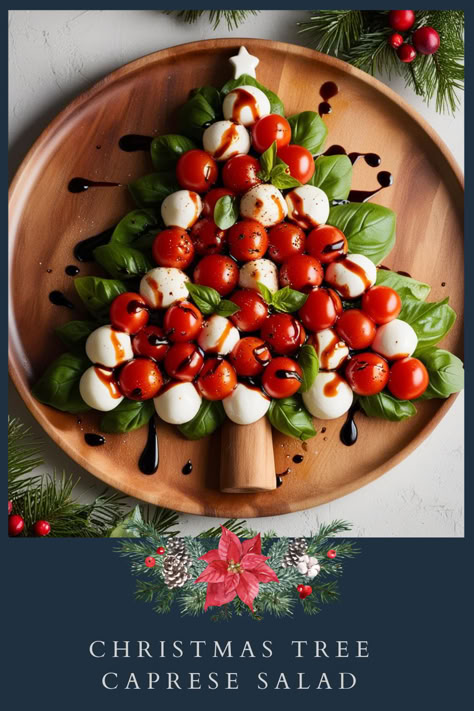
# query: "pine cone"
296,549
175,564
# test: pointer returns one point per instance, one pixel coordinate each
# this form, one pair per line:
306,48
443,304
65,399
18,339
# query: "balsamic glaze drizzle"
188,467
72,270
80,185
149,458
58,299
132,142
94,440
348,434
84,250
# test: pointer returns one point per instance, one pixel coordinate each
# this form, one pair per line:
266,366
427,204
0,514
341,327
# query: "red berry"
15,525
300,588
10,507
426,40
150,561
332,553
307,590
401,20
395,40
406,53
160,550
42,528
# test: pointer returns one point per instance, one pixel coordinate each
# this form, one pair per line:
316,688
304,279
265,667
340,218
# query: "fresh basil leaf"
122,262
309,363
308,130
280,177
226,308
431,320
74,334
267,161
226,212
369,228
210,416
212,96
446,373
128,416
289,416
194,115
288,300
150,190
276,105
387,407
333,174
265,292
133,226
206,298
59,384
166,150
403,284
97,294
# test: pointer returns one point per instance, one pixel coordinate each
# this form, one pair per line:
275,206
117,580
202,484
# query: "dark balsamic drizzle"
132,142
80,185
326,92
348,434
58,299
279,480
298,458
94,440
84,250
149,458
384,179
72,270
288,375
188,467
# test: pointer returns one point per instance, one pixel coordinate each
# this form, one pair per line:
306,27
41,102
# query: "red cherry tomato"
129,312
367,373
408,379
283,333
269,129
210,200
284,241
207,237
184,361
247,240
197,171
151,342
382,304
299,160
182,322
173,248
249,356
321,310
326,243
356,329
252,310
282,378
301,272
240,173
217,271
217,379
140,379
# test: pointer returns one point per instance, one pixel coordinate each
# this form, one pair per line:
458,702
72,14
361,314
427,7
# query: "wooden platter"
46,221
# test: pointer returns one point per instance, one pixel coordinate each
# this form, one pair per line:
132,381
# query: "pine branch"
332,31
233,18
24,455
234,525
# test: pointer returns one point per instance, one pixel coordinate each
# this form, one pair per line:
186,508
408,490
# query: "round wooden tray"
46,221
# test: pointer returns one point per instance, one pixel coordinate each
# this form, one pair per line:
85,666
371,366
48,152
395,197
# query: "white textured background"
54,55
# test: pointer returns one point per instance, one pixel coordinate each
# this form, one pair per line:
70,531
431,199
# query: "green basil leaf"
210,416
212,96
206,298
431,320
333,174
276,105
166,150
150,190
403,284
194,115
280,177
97,294
369,228
267,161
133,226
226,308
265,292
387,407
308,130
128,416
74,334
309,363
59,384
288,300
226,212
446,373
289,416
122,262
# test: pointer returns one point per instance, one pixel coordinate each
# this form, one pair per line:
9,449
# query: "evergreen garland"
233,18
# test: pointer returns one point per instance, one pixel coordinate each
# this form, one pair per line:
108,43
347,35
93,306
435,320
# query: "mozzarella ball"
218,335
179,403
259,270
351,276
245,404
330,396
181,209
245,105
163,286
264,203
109,347
332,351
225,139
308,206
99,389
395,340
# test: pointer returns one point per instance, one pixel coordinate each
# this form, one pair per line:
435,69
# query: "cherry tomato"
140,379
284,241
301,272
269,129
197,171
321,310
182,322
151,342
240,173
356,329
283,333
217,379
408,379
173,248
129,312
184,361
247,240
217,271
382,304
326,243
367,373
249,356
299,160
210,200
207,237
252,310
282,377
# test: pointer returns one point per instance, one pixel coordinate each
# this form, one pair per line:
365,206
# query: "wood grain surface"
46,221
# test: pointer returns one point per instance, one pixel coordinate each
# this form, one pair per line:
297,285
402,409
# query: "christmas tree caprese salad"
247,283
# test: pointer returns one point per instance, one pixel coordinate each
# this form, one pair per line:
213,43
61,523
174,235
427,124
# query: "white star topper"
244,63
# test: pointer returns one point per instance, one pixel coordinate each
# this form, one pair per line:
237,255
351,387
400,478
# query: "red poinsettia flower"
235,568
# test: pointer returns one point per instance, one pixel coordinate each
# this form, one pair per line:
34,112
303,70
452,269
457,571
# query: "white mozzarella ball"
308,206
245,105
99,389
332,351
351,276
181,209
264,203
245,404
330,396
259,270
163,286
178,403
218,335
109,347
225,139
394,340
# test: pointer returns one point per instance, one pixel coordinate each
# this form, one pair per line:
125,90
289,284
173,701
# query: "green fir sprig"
233,18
